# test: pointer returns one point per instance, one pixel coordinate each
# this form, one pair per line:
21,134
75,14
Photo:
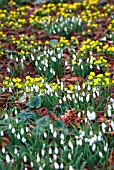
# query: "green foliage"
35,103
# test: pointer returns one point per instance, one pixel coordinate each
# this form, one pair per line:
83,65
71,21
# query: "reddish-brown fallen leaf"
111,160
110,133
43,111
74,79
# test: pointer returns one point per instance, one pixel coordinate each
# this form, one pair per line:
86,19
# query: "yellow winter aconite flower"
92,73
107,73
100,75
6,78
90,77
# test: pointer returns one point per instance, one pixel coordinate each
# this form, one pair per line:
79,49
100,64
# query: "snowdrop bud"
25,158
17,59
82,67
109,113
100,154
10,90
32,164
6,116
56,150
8,69
7,158
61,165
51,126
42,152
22,131
66,63
97,93
89,87
61,86
13,130
23,140
70,144
69,156
94,95
64,99
9,126
50,151
15,111
62,136
71,168
27,129
45,135
93,147
105,148
18,136
55,157
16,120
87,97
91,66
38,158
103,127
40,168
62,142
15,151
55,134
56,165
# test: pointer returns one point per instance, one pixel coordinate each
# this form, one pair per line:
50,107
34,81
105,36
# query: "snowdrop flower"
64,99
112,124
56,150
7,158
13,130
56,165
91,116
32,164
27,129
51,126
23,140
103,127
109,113
62,136
62,142
71,168
3,150
106,147
6,116
54,59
